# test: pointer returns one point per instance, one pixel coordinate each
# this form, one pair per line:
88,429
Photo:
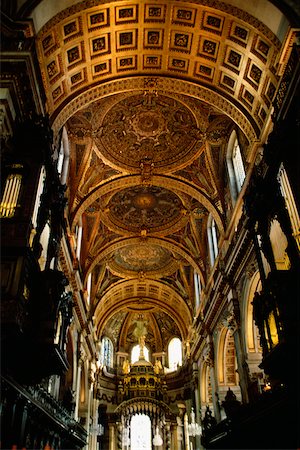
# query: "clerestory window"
106,357
175,354
212,234
235,166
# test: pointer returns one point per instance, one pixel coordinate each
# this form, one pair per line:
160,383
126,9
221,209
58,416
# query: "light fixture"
9,200
157,440
194,429
97,430
126,438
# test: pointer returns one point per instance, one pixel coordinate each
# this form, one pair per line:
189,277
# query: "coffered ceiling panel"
223,48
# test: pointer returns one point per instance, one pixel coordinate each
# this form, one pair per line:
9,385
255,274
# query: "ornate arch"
153,294
162,84
168,181
163,242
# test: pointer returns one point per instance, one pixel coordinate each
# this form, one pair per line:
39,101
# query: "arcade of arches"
150,226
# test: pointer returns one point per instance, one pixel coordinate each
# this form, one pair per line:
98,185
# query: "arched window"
135,353
175,353
197,285
106,357
212,234
235,166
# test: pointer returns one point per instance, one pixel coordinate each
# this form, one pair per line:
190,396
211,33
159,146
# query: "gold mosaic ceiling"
149,92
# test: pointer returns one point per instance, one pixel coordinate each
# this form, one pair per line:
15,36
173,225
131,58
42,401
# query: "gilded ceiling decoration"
172,183
114,325
143,257
149,128
167,326
149,94
224,48
143,295
149,208
160,328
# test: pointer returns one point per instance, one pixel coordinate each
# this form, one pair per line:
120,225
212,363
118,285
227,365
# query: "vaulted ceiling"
149,93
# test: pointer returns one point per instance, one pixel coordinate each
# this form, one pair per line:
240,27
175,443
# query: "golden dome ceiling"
149,93
148,208
149,128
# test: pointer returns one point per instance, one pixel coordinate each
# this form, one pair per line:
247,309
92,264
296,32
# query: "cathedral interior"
150,228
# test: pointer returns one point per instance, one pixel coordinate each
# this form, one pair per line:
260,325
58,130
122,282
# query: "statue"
230,404
188,348
157,367
126,367
140,333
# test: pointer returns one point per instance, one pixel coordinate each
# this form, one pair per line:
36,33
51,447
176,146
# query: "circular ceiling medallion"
142,257
153,128
149,124
150,208
145,200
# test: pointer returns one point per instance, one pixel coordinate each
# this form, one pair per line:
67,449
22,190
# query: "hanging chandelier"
194,429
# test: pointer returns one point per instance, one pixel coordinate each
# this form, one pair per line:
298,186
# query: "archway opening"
140,432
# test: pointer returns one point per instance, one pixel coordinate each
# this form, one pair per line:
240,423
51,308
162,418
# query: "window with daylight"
140,436
106,358
63,157
78,234
135,353
175,353
290,203
39,192
197,285
212,234
89,288
235,166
